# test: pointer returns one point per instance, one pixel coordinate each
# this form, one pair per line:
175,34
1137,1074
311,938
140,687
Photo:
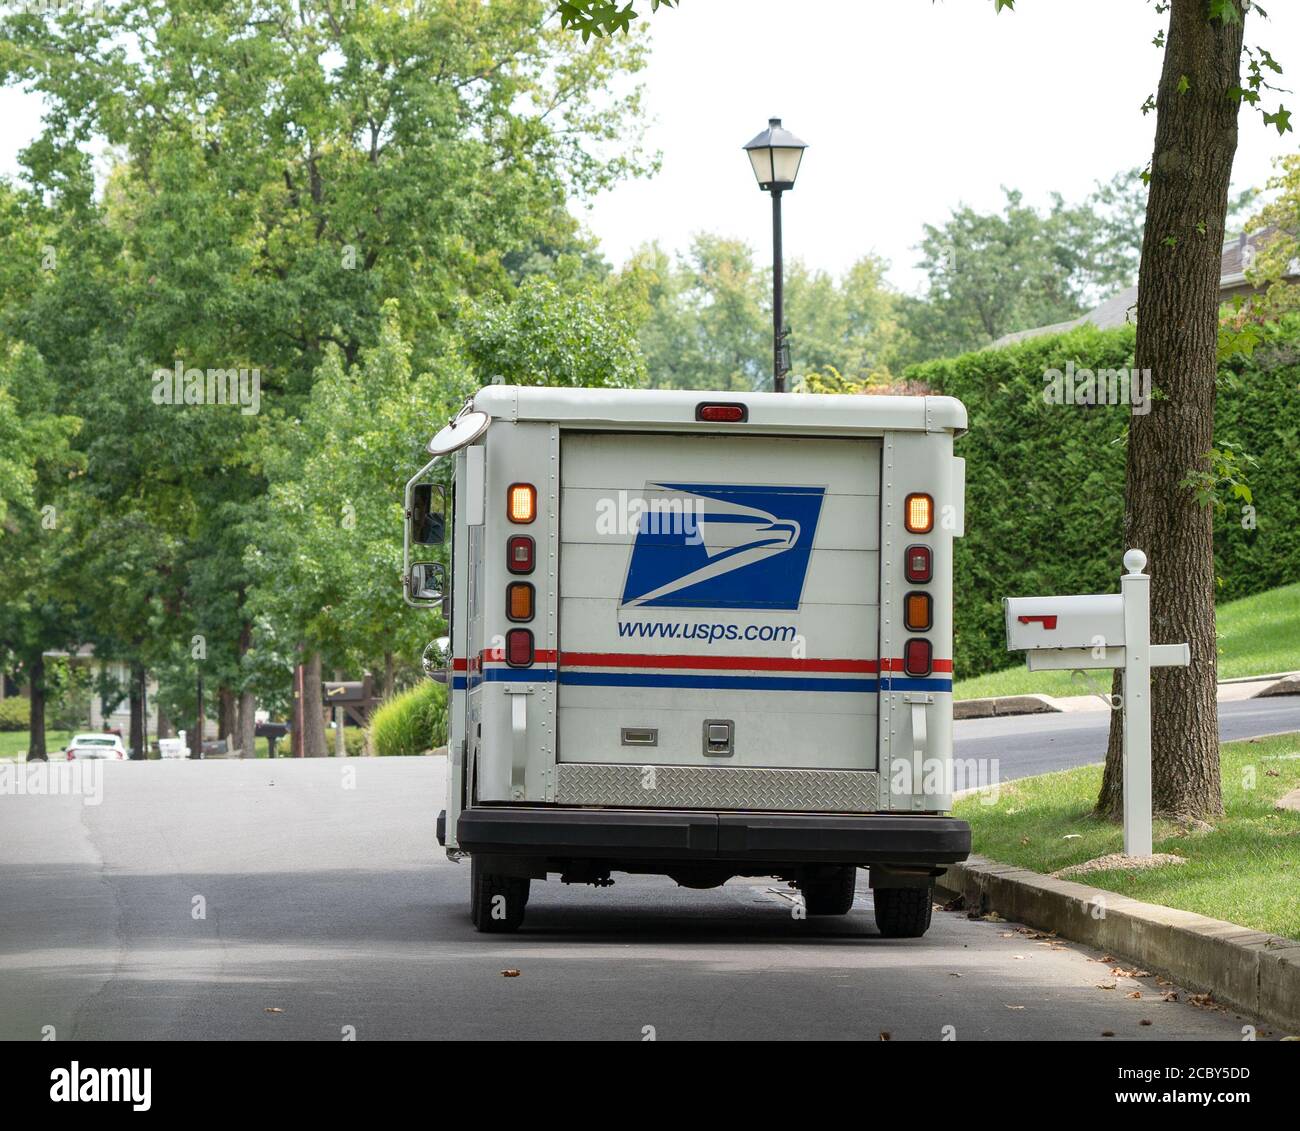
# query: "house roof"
1121,308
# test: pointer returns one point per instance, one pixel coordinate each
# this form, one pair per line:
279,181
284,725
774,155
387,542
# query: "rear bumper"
786,838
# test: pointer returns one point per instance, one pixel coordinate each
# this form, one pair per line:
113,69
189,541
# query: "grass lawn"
1247,870
14,742
1257,636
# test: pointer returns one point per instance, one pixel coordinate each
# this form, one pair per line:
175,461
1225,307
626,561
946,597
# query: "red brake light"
519,554
916,657
519,648
917,564
722,413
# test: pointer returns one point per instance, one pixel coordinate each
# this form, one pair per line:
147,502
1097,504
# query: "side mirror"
427,581
436,659
428,515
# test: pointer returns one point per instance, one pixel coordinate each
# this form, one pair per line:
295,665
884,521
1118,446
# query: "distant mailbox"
1093,620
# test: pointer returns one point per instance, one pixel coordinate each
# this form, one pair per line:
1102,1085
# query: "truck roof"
774,412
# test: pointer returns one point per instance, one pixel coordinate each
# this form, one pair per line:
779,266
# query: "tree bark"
313,710
137,726
390,673
1177,341
36,728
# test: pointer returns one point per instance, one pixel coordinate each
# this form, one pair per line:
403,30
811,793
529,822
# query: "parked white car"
107,746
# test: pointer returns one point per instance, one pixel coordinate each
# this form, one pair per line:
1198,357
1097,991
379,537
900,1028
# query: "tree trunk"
226,725
247,724
36,729
165,728
247,711
390,673
196,735
313,710
137,727
1177,340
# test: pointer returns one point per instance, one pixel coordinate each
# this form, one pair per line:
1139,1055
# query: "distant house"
119,716
1121,309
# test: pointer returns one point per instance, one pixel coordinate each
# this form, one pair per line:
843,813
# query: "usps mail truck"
696,635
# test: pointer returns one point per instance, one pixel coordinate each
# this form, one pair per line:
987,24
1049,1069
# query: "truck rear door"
719,601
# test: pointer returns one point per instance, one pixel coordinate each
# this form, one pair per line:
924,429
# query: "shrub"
15,714
412,722
1045,482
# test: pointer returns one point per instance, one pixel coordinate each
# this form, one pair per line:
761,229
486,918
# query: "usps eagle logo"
722,546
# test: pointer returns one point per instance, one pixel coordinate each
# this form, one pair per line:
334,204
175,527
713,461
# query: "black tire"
903,913
830,893
496,903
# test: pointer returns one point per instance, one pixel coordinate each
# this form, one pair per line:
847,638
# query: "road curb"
1003,705
1255,973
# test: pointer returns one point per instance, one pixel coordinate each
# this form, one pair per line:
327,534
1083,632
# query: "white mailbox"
1094,620
1105,630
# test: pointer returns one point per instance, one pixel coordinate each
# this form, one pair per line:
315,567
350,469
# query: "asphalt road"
307,900
1038,744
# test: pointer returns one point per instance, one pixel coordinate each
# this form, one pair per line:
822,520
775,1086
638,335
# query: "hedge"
1045,482
15,713
412,722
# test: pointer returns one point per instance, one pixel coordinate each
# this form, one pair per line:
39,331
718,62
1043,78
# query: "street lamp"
775,155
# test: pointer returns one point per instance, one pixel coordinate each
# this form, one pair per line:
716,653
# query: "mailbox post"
1111,630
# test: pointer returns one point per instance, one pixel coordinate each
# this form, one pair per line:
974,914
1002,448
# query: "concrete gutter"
1230,690
1255,973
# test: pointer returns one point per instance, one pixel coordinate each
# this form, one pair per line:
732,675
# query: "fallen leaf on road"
1018,957
992,917
1107,1033
1203,1001
1163,982
1135,994
510,973
1145,1021
1105,985
1170,996
954,974
1015,1007
1120,972
273,1009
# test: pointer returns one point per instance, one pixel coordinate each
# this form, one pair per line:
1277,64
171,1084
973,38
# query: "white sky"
909,107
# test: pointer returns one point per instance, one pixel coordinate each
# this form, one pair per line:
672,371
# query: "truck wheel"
903,913
496,903
830,894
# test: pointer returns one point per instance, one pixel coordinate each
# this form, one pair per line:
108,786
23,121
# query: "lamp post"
775,155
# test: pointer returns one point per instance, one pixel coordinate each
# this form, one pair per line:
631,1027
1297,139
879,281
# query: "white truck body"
718,677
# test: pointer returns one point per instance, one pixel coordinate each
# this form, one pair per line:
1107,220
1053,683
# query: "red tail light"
519,648
71,756
722,413
520,552
918,565
916,657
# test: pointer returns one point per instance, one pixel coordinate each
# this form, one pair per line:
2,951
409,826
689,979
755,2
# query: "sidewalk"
1230,690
